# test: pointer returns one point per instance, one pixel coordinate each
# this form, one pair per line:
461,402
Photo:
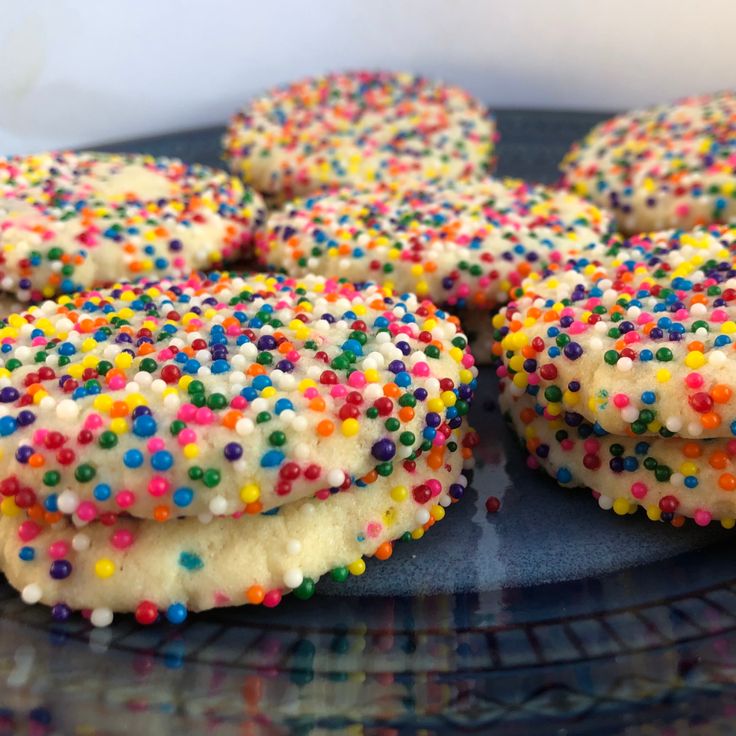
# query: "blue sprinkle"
133,458
190,561
176,613
272,459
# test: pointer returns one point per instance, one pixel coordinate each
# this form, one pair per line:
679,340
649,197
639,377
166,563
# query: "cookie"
670,166
358,127
640,342
671,478
70,221
183,564
222,394
463,245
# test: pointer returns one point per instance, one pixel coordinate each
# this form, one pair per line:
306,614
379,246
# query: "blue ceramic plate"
550,616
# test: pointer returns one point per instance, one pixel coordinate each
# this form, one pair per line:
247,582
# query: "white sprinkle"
158,386
244,426
676,479
629,414
624,364
67,502
717,358
80,542
422,516
293,547
205,518
694,429
218,506
67,409
101,617
335,478
293,578
673,424
605,502
299,423
31,594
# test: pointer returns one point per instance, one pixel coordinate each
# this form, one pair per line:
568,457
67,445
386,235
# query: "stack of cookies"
619,373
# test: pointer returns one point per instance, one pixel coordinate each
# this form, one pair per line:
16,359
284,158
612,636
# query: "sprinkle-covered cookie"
672,479
358,127
641,342
671,166
72,221
461,245
222,395
183,564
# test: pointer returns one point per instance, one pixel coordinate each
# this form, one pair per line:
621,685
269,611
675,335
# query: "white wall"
86,71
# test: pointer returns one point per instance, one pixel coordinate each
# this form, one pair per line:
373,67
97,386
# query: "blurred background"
81,72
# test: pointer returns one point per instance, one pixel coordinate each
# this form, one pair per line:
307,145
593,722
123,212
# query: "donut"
356,127
222,394
463,245
669,166
71,221
641,341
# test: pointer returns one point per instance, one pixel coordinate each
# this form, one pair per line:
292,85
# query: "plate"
549,616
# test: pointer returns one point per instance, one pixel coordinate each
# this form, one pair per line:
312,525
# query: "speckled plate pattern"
550,616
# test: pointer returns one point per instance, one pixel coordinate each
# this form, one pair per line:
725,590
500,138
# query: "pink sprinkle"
420,369
435,486
338,391
311,393
93,421
502,371
639,490
357,379
533,379
87,511
155,444
468,360
117,383
373,529
239,402
293,356
39,436
694,380
591,446
186,412
58,550
702,517
204,415
121,539
272,598
620,401
186,436
682,210
577,327
28,530
567,445
682,314
158,485
124,499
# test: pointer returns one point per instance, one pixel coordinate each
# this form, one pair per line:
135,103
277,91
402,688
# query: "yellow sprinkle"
663,375
350,427
357,567
250,493
8,507
104,567
399,493
190,451
118,425
437,513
